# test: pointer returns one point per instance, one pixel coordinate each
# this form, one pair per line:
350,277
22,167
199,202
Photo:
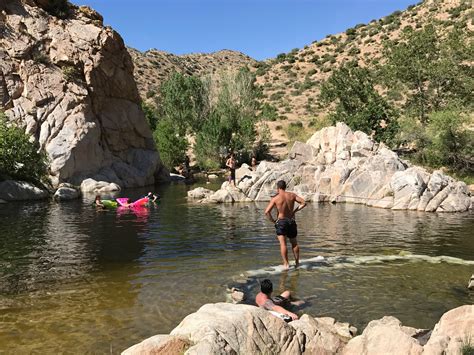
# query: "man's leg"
283,250
296,250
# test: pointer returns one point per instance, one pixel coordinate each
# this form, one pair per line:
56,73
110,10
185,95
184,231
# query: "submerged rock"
470,285
11,190
338,165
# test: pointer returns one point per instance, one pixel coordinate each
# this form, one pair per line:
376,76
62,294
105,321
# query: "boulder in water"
11,190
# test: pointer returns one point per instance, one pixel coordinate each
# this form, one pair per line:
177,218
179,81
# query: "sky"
259,28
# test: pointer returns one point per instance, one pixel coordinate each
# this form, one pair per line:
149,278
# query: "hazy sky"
259,28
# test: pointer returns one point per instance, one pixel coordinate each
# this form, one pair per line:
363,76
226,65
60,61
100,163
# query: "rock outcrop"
339,165
20,190
69,82
224,328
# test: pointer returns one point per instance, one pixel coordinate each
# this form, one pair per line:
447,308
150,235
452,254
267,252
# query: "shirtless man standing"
285,224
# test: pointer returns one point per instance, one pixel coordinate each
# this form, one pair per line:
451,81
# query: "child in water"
98,202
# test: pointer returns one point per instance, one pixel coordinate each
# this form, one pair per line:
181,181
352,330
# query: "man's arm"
301,202
268,211
280,309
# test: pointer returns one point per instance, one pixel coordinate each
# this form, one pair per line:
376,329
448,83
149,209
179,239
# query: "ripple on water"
87,281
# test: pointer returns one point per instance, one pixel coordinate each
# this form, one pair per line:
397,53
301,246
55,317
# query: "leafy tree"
357,103
231,124
184,100
19,158
435,69
151,115
449,143
171,145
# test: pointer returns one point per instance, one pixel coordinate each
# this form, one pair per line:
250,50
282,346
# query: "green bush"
58,8
171,145
19,158
71,73
269,112
312,71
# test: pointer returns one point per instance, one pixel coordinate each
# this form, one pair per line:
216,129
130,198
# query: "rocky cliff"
68,80
339,165
242,329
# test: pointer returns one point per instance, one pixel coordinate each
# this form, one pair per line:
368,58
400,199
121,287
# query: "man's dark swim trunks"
286,227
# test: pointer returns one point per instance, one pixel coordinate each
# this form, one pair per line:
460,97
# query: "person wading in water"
285,224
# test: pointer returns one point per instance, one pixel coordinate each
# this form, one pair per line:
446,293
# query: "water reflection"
75,278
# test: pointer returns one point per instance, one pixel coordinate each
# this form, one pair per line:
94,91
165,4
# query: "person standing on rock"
231,163
285,223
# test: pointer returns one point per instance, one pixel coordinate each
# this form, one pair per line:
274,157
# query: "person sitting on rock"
265,300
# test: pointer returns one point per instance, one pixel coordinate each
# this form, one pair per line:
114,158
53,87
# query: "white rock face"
92,186
20,191
70,84
224,328
339,165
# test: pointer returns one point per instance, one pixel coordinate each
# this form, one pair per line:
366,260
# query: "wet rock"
212,176
66,192
237,295
92,186
470,285
2,202
199,193
11,190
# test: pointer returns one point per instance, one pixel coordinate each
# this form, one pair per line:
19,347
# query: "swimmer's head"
266,287
97,197
281,185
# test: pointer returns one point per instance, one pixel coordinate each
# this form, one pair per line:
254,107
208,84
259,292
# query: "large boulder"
454,330
69,83
339,165
66,192
385,336
225,328
98,187
20,191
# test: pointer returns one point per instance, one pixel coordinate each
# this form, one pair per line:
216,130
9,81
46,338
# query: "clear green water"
80,281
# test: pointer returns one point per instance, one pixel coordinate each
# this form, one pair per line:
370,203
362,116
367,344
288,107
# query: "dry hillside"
291,81
153,67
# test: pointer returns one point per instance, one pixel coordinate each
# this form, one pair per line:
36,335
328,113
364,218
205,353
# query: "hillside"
153,66
291,81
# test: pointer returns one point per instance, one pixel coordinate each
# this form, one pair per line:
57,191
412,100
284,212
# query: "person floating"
285,223
98,202
231,163
276,304
153,197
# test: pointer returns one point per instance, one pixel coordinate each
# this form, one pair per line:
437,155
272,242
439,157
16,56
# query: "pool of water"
73,279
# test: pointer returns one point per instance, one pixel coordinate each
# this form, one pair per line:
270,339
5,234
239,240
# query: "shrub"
269,112
351,31
71,73
58,8
19,158
150,93
312,71
295,131
170,144
354,51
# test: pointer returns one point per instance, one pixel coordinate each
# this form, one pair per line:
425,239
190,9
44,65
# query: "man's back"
285,203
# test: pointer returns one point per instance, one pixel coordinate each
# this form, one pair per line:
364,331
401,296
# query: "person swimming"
98,202
153,197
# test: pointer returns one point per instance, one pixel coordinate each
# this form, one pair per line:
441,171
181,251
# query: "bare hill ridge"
154,66
292,80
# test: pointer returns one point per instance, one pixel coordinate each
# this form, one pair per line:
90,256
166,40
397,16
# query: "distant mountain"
153,66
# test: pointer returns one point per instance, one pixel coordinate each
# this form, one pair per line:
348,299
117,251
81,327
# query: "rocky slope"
291,81
339,165
223,328
153,67
69,81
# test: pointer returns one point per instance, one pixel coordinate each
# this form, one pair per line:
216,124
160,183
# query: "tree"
435,69
184,100
19,158
232,123
357,103
171,145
